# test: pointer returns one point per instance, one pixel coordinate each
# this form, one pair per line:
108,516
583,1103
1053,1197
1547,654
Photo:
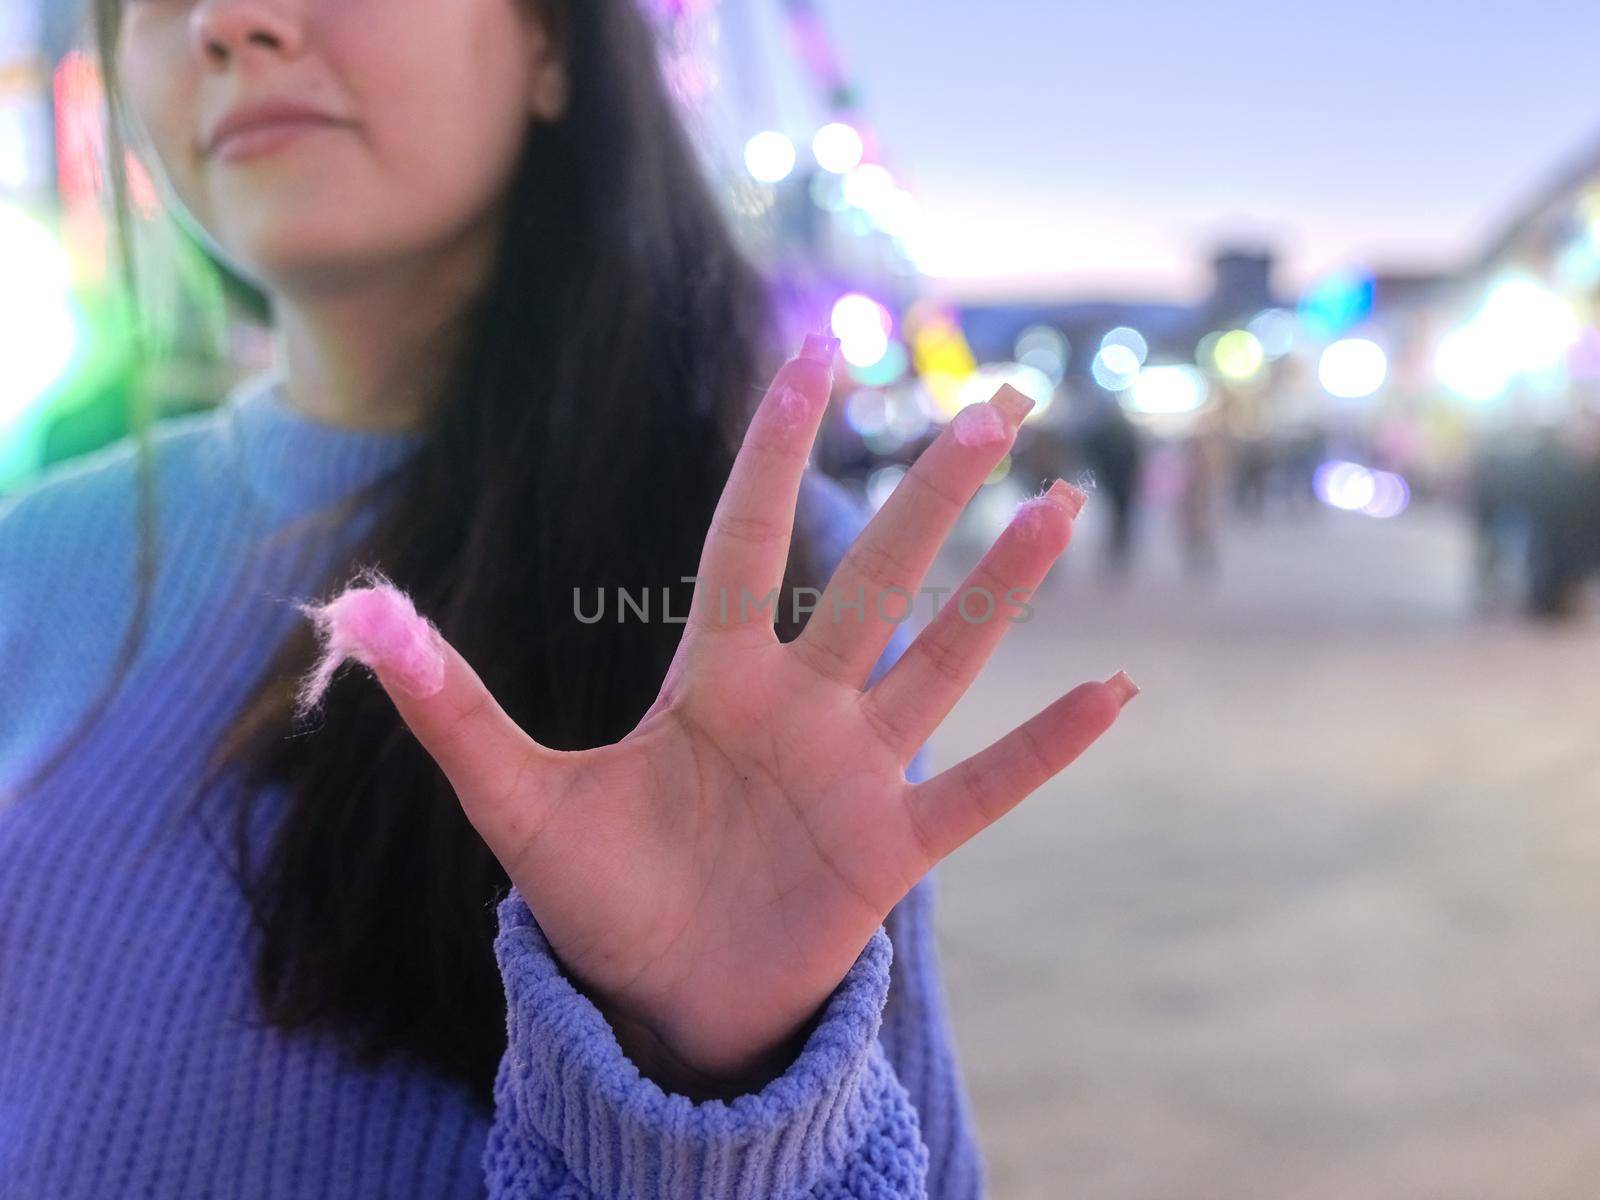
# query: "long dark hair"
590,402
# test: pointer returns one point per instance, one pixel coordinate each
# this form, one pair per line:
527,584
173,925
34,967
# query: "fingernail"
1125,688
820,348
1015,404
1068,497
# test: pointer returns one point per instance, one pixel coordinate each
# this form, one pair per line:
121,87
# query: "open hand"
709,879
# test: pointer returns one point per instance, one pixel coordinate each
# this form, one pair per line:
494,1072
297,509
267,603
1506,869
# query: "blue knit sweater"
130,1060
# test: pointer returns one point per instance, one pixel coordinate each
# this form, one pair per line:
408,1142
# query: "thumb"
439,696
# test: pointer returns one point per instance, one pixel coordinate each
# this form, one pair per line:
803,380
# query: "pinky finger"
959,803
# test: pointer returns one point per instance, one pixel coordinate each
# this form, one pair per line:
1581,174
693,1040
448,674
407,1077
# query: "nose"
225,31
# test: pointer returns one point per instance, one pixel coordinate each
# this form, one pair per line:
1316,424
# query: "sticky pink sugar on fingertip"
1031,514
794,407
1030,517
376,624
978,425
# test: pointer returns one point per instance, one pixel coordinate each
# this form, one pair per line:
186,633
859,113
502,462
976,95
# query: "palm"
728,859
710,878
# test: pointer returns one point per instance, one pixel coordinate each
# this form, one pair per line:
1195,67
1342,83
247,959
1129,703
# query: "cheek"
444,110
446,170
159,91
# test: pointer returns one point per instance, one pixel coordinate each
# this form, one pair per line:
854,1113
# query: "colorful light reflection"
862,326
1238,355
1167,390
1352,368
1030,381
1115,367
37,313
1351,487
837,147
769,157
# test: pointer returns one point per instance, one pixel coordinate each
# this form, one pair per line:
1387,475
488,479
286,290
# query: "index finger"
747,546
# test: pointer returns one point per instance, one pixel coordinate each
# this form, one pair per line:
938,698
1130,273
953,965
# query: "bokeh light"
1167,390
827,192
769,156
1471,364
882,482
867,412
941,355
1135,342
868,187
36,312
898,213
1030,381
1115,367
1237,355
1535,325
862,326
1274,329
837,147
1337,302
1352,487
1522,329
1044,348
1352,368
1390,496
910,411
888,368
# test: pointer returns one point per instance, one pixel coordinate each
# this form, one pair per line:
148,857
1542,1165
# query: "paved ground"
1320,919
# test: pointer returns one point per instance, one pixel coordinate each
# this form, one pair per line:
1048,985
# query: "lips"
265,114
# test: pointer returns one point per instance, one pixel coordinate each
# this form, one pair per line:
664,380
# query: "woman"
268,928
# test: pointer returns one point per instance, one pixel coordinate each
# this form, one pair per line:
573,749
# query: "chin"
283,254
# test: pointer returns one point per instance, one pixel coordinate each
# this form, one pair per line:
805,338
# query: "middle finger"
857,613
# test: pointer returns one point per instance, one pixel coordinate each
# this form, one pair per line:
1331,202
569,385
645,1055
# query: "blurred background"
1311,301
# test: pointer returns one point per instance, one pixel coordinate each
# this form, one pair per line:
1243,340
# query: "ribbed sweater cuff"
620,1135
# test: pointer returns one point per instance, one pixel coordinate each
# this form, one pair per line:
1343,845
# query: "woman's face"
432,100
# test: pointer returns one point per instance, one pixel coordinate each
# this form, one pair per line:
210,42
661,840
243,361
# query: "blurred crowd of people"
1535,503
1531,491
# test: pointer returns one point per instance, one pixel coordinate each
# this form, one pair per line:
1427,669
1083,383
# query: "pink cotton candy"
794,408
375,623
978,425
1060,494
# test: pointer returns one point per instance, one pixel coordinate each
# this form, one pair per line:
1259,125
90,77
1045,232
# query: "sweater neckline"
297,463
